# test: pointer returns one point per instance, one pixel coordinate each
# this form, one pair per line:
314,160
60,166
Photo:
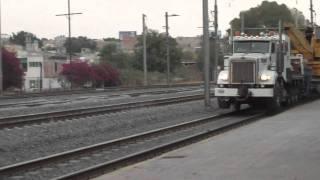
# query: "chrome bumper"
233,92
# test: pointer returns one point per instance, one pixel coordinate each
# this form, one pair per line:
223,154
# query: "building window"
35,84
24,64
35,64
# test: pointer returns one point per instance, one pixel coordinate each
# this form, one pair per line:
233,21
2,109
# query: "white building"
41,69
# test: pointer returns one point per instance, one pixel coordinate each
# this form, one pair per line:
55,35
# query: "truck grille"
243,72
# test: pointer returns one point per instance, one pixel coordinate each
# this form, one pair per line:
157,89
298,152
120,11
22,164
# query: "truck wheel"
223,104
275,104
318,89
236,106
290,100
295,98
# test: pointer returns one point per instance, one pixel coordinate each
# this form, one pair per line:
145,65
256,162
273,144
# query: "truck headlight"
265,77
224,76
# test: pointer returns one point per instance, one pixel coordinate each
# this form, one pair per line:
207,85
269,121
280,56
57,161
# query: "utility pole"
69,29
168,49
311,10
280,61
168,46
297,19
41,78
216,43
206,52
242,21
145,69
1,64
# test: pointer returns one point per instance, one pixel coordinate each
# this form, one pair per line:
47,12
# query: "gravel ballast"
22,144
84,102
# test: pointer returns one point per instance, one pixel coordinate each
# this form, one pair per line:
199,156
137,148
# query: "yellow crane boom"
309,50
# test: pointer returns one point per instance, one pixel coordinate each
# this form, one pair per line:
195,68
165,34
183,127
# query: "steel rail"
132,94
133,157
38,118
84,91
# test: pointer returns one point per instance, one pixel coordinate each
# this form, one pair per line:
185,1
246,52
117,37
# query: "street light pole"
145,69
69,24
168,49
206,52
168,46
216,43
312,11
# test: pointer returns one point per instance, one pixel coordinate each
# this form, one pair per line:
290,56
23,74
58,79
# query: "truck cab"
250,73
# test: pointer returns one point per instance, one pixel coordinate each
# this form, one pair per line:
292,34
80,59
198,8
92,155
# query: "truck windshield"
251,47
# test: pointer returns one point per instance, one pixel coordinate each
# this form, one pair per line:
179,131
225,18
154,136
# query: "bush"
81,73
106,75
12,72
133,77
78,73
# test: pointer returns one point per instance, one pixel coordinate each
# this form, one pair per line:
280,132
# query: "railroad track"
91,161
104,96
86,91
39,118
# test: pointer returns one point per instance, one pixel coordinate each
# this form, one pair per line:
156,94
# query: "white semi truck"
267,70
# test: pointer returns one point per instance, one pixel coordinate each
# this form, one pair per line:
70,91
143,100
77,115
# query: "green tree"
156,50
112,54
111,39
188,56
19,38
267,15
78,43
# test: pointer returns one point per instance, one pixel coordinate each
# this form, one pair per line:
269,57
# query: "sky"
105,18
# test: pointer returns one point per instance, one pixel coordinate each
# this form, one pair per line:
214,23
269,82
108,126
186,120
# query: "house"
128,40
41,69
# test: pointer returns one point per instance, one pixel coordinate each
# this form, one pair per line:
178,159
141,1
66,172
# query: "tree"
156,50
298,17
78,73
106,75
267,15
12,72
110,53
110,39
20,38
188,55
78,43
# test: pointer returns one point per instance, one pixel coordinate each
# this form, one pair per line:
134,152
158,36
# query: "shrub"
106,75
81,73
12,71
78,73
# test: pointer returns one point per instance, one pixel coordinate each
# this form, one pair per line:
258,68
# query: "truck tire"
223,104
275,103
236,106
318,88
